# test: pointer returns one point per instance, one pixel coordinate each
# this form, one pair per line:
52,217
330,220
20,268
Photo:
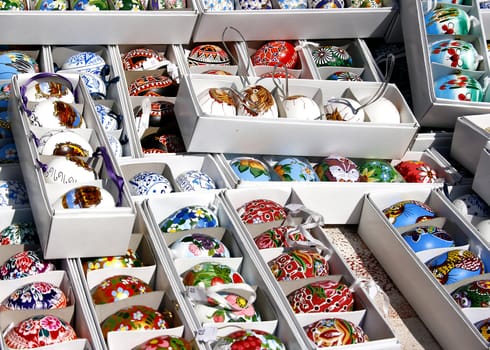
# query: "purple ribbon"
43,166
118,180
37,141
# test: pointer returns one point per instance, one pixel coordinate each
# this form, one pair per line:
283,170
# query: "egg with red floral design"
119,287
36,296
299,263
276,53
335,332
280,236
129,259
249,339
24,264
416,171
322,296
164,342
19,233
458,87
261,211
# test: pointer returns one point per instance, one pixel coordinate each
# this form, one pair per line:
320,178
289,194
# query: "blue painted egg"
455,265
5,129
326,4
458,87
19,233
108,119
23,264
84,62
94,84
90,5
36,295
428,237
455,53
250,169
408,212
8,153
195,180
447,20
219,5
115,145
199,245
471,204
148,183
294,169
13,193
345,76
292,4
14,62
51,5
188,218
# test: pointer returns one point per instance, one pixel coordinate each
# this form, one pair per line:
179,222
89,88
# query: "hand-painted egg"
19,233
162,143
188,218
5,89
471,204
137,317
408,212
257,101
68,170
38,91
335,332
5,127
292,4
447,20
115,288
301,107
483,327
208,54
161,115
198,245
280,236
209,274
455,53
261,211
130,259
23,264
376,170
323,296
219,102
330,55
128,5
428,237
51,5
344,109
8,153
325,4
416,171
13,194
294,169
473,294
84,61
90,5
37,296
115,145
298,263
142,59
195,180
39,331
250,169
85,197
255,4
64,143
216,72
15,62
455,265
216,314
367,3
276,53
249,339
458,87
337,168
56,114
149,183
95,85
164,342
278,73
153,85
381,111
13,5
108,119
345,76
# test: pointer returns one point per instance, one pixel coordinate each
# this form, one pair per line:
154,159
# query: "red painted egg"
335,332
281,236
298,264
416,171
164,342
280,53
208,54
324,296
142,59
249,339
119,287
260,211
153,85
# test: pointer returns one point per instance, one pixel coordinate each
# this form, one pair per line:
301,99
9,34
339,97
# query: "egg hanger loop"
244,78
285,91
238,96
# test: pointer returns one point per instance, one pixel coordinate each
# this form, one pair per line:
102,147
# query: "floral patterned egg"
295,169
335,332
15,62
85,197
280,236
249,339
142,59
292,4
51,5
199,245
164,342
345,110
219,5
276,53
473,294
56,114
128,5
260,211
416,171
13,5
39,330
240,312
337,168
217,101
64,143
408,212
68,170
41,90
483,326
13,194
117,288
323,296
345,76
250,169
257,101
255,4
95,85
455,265
153,85
470,204
459,87
23,264
209,274
455,53
90,5
298,264
149,183
428,237
195,180
137,317
217,72
84,61
108,119
36,295
367,3
330,55
188,218
208,54
115,145
325,4
376,170
8,153
130,259
447,20
19,233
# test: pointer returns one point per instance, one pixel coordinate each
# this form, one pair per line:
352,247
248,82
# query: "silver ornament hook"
243,78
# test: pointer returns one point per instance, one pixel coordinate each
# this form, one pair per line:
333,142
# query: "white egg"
484,229
381,111
216,101
68,170
62,142
38,91
56,114
301,107
344,109
85,197
258,102
471,205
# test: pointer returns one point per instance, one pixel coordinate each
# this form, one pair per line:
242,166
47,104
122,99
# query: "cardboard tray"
481,181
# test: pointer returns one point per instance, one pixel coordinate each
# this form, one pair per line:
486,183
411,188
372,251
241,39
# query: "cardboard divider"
481,182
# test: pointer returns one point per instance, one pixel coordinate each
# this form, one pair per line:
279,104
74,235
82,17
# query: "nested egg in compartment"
214,58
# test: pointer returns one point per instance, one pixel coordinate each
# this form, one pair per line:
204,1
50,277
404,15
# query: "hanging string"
243,78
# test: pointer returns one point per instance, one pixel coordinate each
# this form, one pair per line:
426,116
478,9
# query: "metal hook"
243,78
284,92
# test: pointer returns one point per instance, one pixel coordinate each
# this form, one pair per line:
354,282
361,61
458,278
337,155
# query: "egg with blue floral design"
294,169
24,264
250,169
326,4
473,294
458,87
51,5
95,85
149,183
455,265
108,119
255,4
119,287
35,296
19,233
377,170
188,218
199,245
90,5
219,5
84,62
428,237
408,212
292,4
195,180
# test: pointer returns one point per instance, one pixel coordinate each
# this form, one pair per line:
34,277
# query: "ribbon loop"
101,151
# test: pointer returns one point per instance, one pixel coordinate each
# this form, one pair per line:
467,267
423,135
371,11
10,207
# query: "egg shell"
208,53
23,264
297,264
68,170
85,197
323,296
16,62
119,287
161,114
162,143
107,117
250,169
261,211
14,194
188,218
381,111
95,85
90,5
345,76
219,5
455,265
39,330
130,259
209,274
254,338
149,183
141,59
416,171
257,101
292,4
335,332
337,168
36,296
483,228
164,342
195,180
84,61
378,170
428,237
279,52
450,20
38,91
255,4
470,204
51,5
153,85
455,53
215,101
344,109
115,145
294,169
301,107
279,236
19,233
366,3
408,212
198,245
216,314
483,327
56,114
63,143
458,87
331,55
473,294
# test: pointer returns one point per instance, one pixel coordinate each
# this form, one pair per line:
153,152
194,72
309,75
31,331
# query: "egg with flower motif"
13,194
261,211
19,233
250,169
56,114
84,61
23,264
51,5
85,197
299,263
164,342
325,4
367,3
416,171
377,170
119,287
345,76
249,339
216,314
52,88
458,87
450,20
63,143
90,5
115,145
142,59
188,218
322,296
16,62
331,55
219,5
13,5
96,86
408,212
36,295
428,237
109,120
455,265
335,332
455,53
473,294
195,180
295,169
257,101
279,236
149,183
5,126
153,85
208,54
255,4
337,168
276,53
199,245
129,5
292,4
129,259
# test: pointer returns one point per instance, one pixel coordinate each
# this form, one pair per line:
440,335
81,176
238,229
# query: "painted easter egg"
19,233
85,197
331,55
219,5
208,54
323,296
335,332
255,4
344,109
13,194
250,169
108,119
217,72
149,183
142,59
153,85
337,168
37,296
459,87
23,264
195,180
298,263
95,85
84,61
276,53
161,113
279,236
13,5
129,259
257,101
447,20
216,314
473,294
278,73
40,90
295,169
136,317
51,5
216,101
39,331
16,62
164,342
8,153
366,3
483,326
345,76
377,170
292,4
261,211
115,288
188,218
56,114
428,237
129,5
90,5
250,339
471,204
162,143
301,107
5,127
198,245
115,145
416,171
325,4
64,143
455,265
408,212
209,274
68,170
455,53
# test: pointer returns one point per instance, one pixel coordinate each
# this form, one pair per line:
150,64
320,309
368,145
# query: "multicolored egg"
473,294
153,85
455,265
455,53
23,264
344,109
345,76
331,55
199,245
408,212
261,211
8,153
459,87
38,331
416,171
295,169
51,5
428,237
64,143
117,288
249,339
15,62
280,236
209,274
323,296
257,101
483,326
292,4
377,170
136,317
13,5
195,180
250,169
164,342
217,101
19,233
142,59
297,264
149,183
208,54
90,5
85,197
109,120
5,127
37,296
130,259
188,218
276,53
13,193
56,114
84,61
325,4
217,314
335,332
40,90
218,5
337,168
471,204
255,4
367,3
447,20
68,170
128,5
